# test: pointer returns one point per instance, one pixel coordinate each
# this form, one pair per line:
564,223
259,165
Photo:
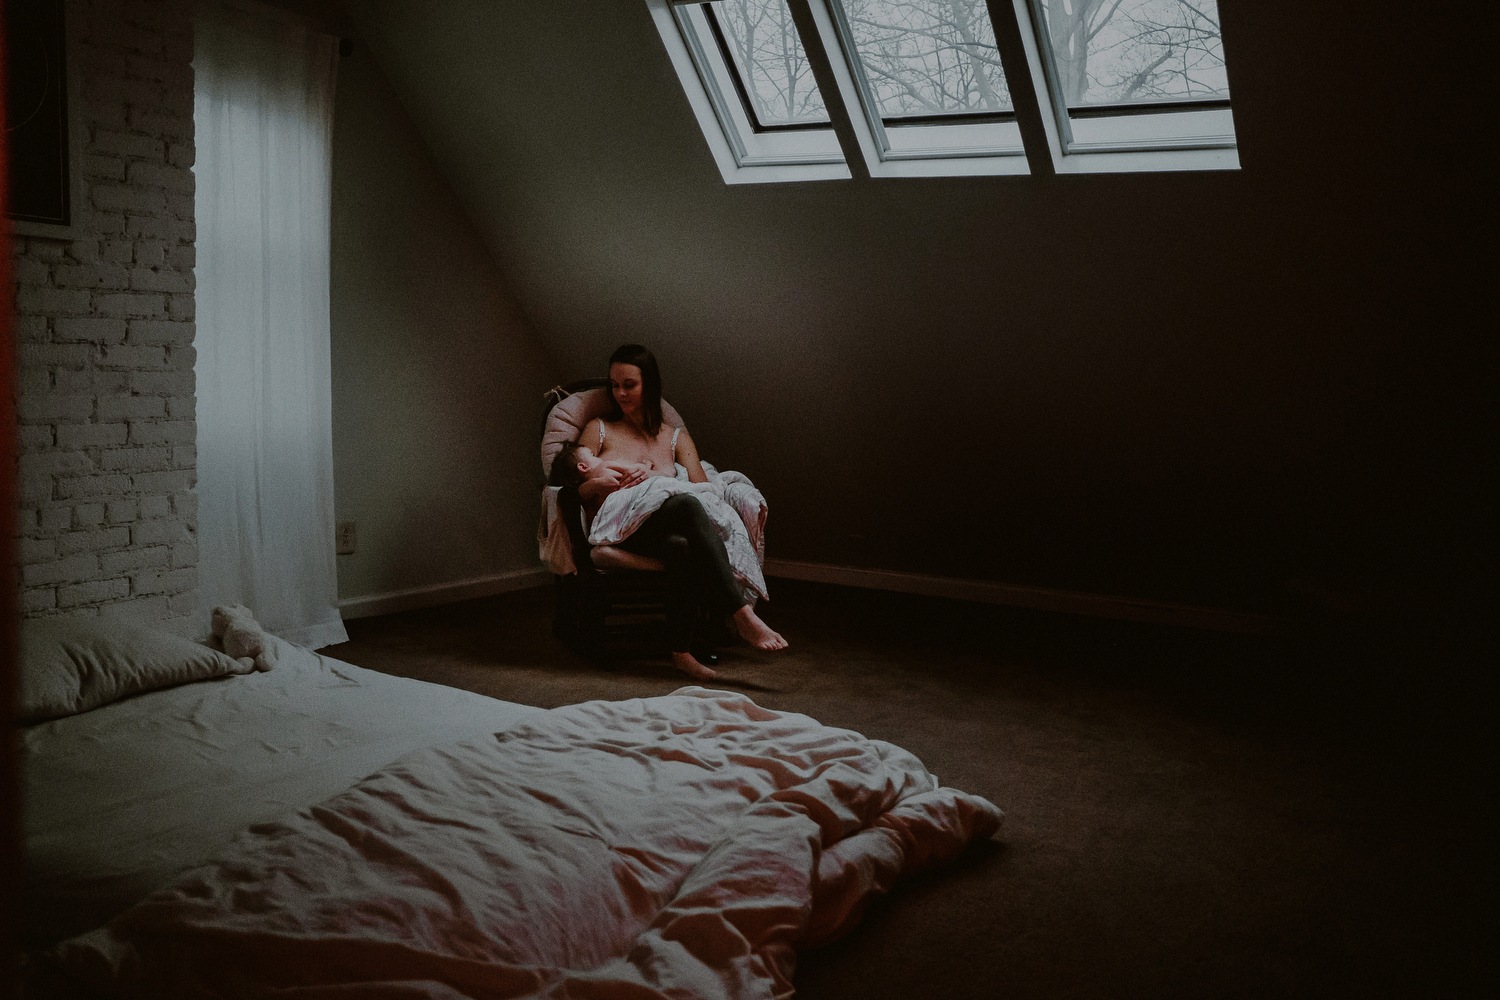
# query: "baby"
574,464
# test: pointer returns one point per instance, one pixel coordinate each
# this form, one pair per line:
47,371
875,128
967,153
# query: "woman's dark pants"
681,534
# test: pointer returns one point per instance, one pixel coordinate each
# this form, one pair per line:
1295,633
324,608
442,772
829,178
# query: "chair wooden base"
600,614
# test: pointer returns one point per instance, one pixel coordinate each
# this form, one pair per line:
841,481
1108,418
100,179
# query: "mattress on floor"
665,848
123,799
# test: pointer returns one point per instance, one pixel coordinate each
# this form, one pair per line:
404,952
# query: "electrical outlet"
344,538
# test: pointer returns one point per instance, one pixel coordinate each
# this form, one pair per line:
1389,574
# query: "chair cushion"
569,417
608,557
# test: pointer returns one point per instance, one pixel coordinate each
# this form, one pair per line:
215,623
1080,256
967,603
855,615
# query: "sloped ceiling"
1183,385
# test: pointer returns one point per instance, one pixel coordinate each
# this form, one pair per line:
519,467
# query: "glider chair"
604,594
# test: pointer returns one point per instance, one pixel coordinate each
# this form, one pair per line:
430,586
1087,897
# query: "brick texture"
108,520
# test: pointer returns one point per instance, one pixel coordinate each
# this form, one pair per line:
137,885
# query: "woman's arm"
687,457
593,491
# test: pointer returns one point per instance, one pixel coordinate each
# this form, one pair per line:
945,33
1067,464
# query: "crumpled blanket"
623,511
672,847
740,493
734,488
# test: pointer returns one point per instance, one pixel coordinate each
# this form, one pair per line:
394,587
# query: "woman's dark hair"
635,354
565,466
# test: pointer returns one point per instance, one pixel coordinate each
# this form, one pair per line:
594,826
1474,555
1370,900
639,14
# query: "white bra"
675,432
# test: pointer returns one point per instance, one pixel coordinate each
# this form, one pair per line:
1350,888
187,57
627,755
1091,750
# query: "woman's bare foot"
756,632
689,665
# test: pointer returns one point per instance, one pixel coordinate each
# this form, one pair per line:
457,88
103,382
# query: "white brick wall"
108,517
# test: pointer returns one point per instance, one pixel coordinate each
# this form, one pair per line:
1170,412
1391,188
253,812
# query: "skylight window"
923,61
1131,53
772,75
927,75
919,87
1135,75
748,78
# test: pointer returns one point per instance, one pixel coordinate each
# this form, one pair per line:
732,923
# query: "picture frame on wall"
45,134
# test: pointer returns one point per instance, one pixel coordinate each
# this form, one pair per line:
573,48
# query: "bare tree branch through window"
1131,85
1136,51
928,57
769,57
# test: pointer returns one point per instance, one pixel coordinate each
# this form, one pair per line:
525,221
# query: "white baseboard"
443,593
1035,598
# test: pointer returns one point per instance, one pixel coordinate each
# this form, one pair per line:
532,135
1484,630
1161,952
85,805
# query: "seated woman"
679,533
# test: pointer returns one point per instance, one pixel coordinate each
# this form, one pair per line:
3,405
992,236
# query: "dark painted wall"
1180,385
435,371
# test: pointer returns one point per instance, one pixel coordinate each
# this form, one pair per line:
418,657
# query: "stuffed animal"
244,640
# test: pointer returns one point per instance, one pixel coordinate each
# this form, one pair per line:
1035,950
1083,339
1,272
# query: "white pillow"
70,665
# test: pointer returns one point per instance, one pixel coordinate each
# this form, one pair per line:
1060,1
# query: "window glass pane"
928,57
767,53
1136,51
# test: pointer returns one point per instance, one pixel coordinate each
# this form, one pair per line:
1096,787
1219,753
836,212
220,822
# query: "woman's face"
625,383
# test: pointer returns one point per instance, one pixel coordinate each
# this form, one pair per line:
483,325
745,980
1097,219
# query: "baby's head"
573,465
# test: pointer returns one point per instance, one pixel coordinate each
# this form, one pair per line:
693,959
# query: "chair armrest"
570,508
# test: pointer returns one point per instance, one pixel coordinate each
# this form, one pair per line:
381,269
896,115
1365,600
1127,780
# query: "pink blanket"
680,847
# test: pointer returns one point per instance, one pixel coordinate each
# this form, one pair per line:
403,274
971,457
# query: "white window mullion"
723,111
845,108
833,79
1035,112
857,81
1044,68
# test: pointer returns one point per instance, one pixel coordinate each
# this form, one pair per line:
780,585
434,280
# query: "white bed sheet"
667,848
123,799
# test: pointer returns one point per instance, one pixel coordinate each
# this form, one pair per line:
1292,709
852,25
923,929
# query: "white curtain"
263,114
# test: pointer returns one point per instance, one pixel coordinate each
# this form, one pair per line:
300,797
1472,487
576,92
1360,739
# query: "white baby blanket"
731,500
623,511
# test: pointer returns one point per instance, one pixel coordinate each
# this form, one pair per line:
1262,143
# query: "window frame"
934,147
1113,140
1043,137
738,79
743,154
75,141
